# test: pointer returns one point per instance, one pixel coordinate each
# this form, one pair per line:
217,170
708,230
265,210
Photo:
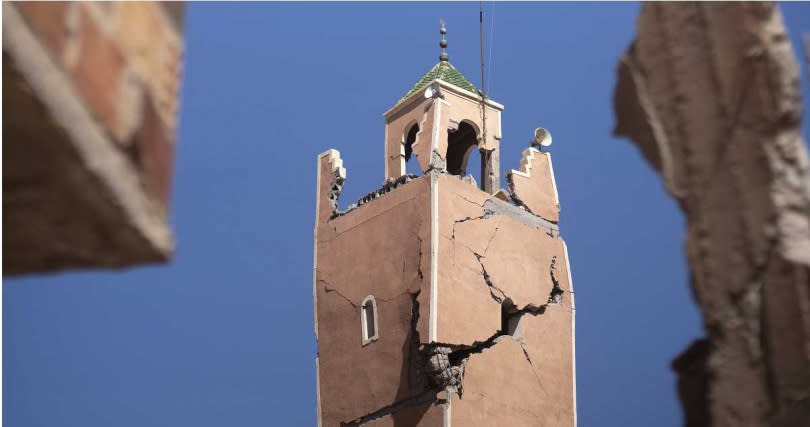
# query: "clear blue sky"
223,334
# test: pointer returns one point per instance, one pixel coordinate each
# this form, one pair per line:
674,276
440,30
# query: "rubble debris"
422,398
441,372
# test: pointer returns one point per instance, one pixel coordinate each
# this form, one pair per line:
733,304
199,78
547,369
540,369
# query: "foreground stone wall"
710,94
90,100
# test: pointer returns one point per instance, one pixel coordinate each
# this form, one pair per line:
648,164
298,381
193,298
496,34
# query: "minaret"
438,303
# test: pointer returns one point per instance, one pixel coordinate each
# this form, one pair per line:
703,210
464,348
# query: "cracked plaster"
489,250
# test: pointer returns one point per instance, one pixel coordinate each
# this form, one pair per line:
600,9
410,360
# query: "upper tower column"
440,120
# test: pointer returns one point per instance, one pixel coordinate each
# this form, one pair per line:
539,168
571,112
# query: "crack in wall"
424,397
445,362
419,260
469,218
556,295
529,359
328,287
494,206
491,238
488,281
437,162
512,194
416,376
418,137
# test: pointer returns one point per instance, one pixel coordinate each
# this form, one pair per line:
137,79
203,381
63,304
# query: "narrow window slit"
368,320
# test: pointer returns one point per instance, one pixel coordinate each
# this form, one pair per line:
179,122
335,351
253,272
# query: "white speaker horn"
542,138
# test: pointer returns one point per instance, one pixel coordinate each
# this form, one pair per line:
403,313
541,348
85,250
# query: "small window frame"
366,338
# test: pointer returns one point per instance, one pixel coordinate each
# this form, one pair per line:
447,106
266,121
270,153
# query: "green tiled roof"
442,71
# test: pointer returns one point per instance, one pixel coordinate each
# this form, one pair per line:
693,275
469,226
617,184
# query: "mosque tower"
440,298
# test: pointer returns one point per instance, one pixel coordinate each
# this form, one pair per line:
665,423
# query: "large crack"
529,359
328,287
416,375
488,280
516,199
438,366
493,207
419,260
556,295
445,362
469,218
422,398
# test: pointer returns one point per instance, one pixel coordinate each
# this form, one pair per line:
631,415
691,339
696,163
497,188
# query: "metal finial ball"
443,43
443,30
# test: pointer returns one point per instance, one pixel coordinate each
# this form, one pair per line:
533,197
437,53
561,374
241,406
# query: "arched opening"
368,320
474,165
460,143
411,166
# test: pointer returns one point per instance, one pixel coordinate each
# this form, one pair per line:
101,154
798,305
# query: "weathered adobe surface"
381,249
493,253
489,252
92,93
709,93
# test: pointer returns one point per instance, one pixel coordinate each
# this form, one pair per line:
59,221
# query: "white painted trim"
385,153
318,389
573,329
448,418
500,127
365,338
402,140
336,164
553,180
470,95
315,277
434,228
453,88
526,162
97,152
434,258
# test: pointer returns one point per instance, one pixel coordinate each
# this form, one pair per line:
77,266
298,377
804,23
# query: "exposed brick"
98,73
48,20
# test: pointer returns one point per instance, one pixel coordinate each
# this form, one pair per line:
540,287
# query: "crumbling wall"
435,116
493,253
378,248
442,340
709,92
90,95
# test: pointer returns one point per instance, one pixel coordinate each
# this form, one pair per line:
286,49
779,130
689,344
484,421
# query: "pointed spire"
444,57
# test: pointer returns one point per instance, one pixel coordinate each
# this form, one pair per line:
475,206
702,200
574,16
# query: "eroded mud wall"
709,93
378,249
504,289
